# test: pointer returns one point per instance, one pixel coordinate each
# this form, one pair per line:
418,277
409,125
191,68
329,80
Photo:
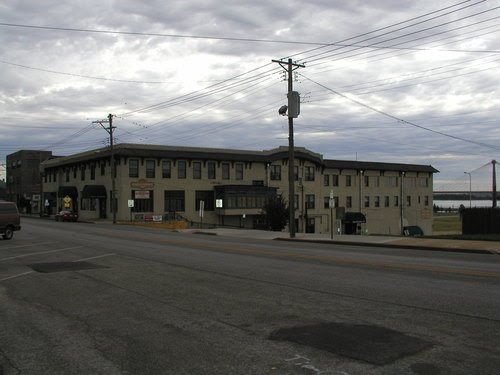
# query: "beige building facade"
230,187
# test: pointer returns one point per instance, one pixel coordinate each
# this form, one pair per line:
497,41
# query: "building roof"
370,165
219,154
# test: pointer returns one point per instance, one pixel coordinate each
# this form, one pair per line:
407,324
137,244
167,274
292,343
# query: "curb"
388,245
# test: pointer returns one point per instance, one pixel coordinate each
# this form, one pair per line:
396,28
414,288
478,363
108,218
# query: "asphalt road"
79,298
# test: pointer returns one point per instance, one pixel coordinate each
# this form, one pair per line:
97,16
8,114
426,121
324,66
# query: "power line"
401,120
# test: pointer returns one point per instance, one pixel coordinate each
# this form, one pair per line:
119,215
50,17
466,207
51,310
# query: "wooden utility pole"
494,162
290,66
110,130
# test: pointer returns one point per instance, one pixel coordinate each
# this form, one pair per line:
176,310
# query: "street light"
470,188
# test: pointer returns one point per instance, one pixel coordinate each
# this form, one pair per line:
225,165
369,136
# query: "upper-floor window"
92,172
239,171
377,201
335,180
181,169
275,171
408,200
367,201
367,181
391,181
348,202
82,174
150,169
196,170
133,168
348,181
225,171
211,170
386,201
67,175
426,200
310,201
326,180
309,173
103,169
296,172
166,169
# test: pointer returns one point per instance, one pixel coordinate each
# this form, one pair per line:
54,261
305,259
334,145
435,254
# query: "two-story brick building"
163,181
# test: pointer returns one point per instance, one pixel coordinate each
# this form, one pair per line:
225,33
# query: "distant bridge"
464,195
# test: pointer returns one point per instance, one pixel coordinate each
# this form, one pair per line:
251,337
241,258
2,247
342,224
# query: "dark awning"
69,191
354,217
94,191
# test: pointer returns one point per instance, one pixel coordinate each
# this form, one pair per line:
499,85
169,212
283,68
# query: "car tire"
8,234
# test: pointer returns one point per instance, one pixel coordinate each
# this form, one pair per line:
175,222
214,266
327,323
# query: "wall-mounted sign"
141,194
130,203
142,184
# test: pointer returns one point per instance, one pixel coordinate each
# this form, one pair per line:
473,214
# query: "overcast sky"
389,81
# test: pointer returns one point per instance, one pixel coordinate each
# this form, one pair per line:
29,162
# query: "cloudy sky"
390,81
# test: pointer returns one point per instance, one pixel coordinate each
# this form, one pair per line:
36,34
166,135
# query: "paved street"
78,298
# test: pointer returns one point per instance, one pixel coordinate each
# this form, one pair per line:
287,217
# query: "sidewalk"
416,243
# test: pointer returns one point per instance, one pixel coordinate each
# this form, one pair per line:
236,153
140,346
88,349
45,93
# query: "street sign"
202,208
218,203
130,203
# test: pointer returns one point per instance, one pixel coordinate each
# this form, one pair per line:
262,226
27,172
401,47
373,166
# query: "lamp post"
470,188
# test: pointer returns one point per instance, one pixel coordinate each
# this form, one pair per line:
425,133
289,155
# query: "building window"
426,200
196,170
326,180
207,196
408,200
296,172
225,171
309,201
275,171
74,173
335,180
309,174
174,200
296,202
92,172
424,182
181,169
82,174
348,202
67,175
150,169
391,181
376,202
386,201
133,168
326,203
367,201
103,169
396,201
166,169
377,181
239,171
143,200
367,181
211,170
348,181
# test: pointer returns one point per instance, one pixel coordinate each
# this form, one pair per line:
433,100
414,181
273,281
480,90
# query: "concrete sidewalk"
416,243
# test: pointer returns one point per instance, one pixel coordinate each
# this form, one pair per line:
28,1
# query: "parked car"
10,220
65,215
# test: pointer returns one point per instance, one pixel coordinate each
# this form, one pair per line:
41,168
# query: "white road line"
41,252
99,256
30,245
21,274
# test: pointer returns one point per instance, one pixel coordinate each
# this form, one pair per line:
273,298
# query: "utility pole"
293,111
494,162
470,188
110,130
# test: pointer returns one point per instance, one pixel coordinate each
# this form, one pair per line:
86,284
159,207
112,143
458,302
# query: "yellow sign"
66,200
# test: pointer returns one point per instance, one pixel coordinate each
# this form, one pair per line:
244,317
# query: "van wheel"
8,233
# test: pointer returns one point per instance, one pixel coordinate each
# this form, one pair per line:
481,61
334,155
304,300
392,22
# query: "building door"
310,227
102,208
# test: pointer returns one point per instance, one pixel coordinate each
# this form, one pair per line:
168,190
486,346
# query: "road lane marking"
96,257
13,277
320,258
30,245
41,252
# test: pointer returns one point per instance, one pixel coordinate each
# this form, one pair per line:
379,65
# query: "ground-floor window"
175,201
88,204
143,200
207,196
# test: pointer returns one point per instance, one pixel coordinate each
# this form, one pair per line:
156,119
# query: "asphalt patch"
63,266
373,344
